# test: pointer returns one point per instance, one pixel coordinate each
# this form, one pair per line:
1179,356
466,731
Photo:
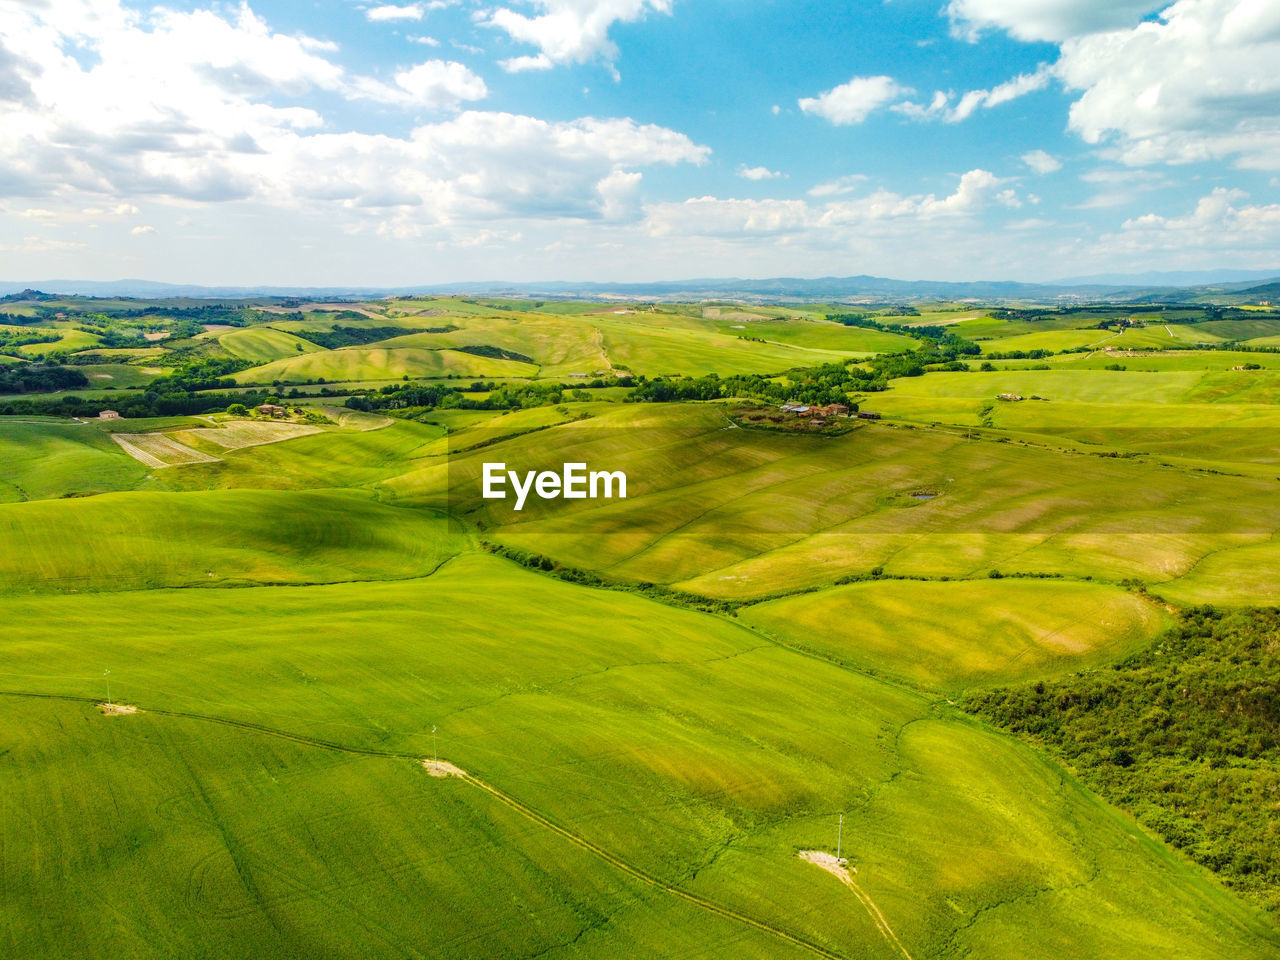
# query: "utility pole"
840,837
107,675
435,754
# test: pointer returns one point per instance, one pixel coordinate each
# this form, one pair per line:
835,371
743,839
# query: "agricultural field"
263,344
357,708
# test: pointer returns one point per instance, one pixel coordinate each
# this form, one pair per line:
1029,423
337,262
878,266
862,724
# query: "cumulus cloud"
197,107
878,211
1041,161
1217,215
758,173
853,102
436,84
1220,221
412,11
1052,20
1198,84
567,31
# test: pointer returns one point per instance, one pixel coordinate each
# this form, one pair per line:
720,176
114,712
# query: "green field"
964,633
650,751
43,460
263,344
648,707
380,363
749,513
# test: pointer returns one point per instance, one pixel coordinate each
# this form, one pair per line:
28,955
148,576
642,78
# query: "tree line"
1185,735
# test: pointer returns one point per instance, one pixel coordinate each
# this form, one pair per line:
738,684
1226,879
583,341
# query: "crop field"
610,745
58,459
358,709
747,513
380,363
119,375
159,450
69,339
236,434
965,632
263,344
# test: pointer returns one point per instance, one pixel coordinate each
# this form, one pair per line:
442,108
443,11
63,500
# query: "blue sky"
434,140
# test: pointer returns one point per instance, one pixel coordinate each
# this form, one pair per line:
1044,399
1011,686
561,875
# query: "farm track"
510,802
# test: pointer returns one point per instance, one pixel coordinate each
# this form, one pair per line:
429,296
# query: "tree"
238,410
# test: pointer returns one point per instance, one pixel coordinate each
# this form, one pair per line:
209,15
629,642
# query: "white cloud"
880,211
936,108
758,173
1041,162
840,185
142,230
940,106
436,84
33,244
386,12
1199,84
620,195
1052,20
426,41
1019,86
854,101
191,107
1220,221
567,31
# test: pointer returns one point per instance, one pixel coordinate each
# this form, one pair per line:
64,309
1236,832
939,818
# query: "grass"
379,363
118,375
949,636
658,747
43,460
262,344
745,513
146,540
294,620
70,339
214,838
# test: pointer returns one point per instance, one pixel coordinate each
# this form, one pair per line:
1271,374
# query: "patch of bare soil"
442,768
839,867
117,709
829,862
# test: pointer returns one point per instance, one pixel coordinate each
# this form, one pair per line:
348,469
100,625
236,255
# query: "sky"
343,142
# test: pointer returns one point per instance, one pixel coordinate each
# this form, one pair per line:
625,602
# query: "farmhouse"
108,415
798,408
270,409
832,410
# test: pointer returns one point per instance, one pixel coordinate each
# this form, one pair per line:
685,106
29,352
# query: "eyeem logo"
573,483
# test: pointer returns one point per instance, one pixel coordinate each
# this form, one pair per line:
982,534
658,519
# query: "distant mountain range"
1167,286
1177,278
